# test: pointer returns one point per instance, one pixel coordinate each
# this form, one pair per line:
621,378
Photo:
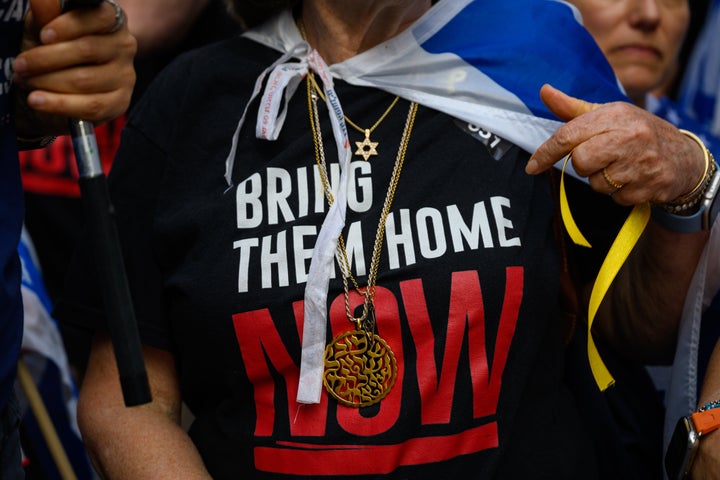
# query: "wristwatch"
685,441
702,219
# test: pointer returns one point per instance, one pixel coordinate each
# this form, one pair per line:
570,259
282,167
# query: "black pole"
100,221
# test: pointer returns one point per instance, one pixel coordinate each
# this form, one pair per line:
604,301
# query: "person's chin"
640,81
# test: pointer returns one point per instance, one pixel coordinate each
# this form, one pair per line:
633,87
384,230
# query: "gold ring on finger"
617,186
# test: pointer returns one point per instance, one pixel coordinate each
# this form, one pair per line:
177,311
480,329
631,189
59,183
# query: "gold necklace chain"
367,147
361,350
369,291
322,170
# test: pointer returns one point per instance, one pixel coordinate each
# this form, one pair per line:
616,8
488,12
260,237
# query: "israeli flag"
480,61
44,356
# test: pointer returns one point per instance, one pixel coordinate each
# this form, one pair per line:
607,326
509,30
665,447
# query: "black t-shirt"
467,289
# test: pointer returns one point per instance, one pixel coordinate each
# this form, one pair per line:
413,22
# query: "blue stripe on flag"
545,44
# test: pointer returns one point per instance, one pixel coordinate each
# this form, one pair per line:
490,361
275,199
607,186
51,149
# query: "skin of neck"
341,29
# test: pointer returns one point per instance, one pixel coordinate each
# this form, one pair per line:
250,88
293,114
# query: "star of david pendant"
366,148
360,368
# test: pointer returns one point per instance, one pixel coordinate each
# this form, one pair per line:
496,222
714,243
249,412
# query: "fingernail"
48,35
531,167
20,66
36,99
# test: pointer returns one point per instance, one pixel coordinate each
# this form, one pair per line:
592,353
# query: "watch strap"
706,421
702,219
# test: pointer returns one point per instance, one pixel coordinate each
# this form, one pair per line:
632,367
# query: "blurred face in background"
640,38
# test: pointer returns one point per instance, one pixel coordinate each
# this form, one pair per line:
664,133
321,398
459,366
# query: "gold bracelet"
685,202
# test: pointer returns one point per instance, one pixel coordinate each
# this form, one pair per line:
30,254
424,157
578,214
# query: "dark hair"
254,12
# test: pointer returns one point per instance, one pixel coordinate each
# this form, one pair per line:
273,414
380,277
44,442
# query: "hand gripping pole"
100,221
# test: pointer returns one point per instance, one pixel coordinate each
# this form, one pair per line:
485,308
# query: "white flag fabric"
480,61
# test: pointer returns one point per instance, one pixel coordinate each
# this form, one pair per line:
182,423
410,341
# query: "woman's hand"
72,65
636,157
620,145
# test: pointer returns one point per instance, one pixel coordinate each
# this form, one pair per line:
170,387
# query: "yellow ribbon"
626,239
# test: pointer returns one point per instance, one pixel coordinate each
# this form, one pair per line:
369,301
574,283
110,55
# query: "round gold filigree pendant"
360,369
